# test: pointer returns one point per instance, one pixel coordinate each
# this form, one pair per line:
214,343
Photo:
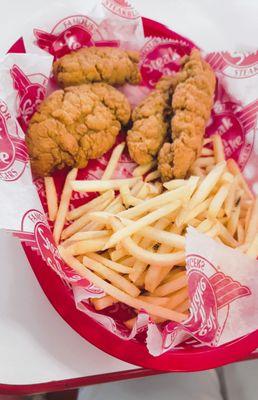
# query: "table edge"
74,383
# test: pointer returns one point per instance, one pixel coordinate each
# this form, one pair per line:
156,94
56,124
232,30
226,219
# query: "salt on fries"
131,243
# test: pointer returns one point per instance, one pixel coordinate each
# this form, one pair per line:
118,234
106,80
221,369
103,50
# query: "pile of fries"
130,240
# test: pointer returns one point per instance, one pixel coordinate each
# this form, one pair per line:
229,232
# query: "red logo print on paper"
161,57
71,34
30,95
210,297
236,126
236,64
13,151
36,234
122,8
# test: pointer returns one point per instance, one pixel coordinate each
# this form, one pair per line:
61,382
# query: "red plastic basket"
190,359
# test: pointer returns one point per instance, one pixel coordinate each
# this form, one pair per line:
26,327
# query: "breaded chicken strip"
74,125
151,122
98,64
191,106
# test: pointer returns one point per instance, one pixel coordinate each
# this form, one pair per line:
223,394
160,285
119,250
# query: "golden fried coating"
150,122
98,64
191,107
74,125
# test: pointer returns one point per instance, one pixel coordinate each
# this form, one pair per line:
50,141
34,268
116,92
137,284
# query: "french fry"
197,171
240,233
152,176
157,320
123,269
218,148
51,195
141,170
79,223
233,220
207,141
252,250
79,211
161,260
230,199
177,298
129,262
183,307
159,187
156,275
113,161
115,207
153,233
86,246
89,235
204,162
195,222
154,203
161,236
227,177
154,189
159,301
140,281
143,192
142,222
206,186
101,186
118,254
92,226
247,219
170,287
64,205
139,266
221,214
203,215
234,169
174,184
146,256
187,215
214,231
109,274
137,187
225,236
137,270
130,323
205,225
103,302
207,152
117,293
252,226
127,197
192,184
218,200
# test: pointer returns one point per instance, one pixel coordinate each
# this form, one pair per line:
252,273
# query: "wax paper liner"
221,281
